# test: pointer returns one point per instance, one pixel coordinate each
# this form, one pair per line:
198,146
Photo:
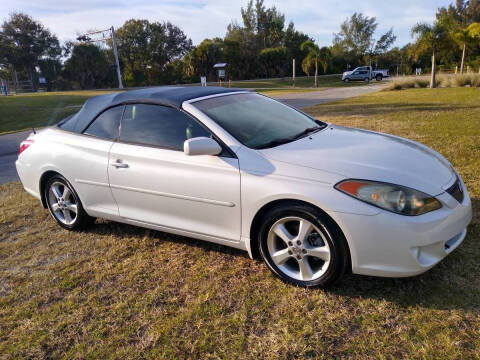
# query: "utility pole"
115,53
111,31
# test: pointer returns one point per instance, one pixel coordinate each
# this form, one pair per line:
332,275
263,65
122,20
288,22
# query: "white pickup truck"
365,73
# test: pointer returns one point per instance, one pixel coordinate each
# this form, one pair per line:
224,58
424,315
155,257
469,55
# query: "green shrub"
408,83
448,81
422,82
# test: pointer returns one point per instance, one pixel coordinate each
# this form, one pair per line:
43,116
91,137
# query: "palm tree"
313,56
462,37
430,38
307,65
474,30
325,56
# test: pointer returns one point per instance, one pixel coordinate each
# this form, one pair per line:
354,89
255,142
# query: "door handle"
119,165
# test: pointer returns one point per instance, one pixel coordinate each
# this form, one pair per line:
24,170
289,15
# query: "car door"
85,161
355,75
363,74
155,182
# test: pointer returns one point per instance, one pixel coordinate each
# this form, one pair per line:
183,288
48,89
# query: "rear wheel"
301,246
379,77
64,204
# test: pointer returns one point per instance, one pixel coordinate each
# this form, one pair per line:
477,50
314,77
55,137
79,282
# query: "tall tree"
292,42
430,38
462,12
462,37
133,38
267,24
273,60
313,56
474,30
206,55
24,42
324,58
261,28
147,48
356,36
87,67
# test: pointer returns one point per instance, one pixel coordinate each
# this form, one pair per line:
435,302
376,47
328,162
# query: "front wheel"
366,80
301,246
346,80
64,204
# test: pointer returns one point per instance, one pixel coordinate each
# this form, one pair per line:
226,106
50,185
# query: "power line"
111,36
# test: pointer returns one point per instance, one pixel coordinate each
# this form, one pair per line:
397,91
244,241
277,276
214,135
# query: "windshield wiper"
307,131
277,142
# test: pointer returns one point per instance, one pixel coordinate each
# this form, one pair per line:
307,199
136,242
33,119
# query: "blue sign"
4,87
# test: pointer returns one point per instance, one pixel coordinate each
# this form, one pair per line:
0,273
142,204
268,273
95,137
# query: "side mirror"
201,146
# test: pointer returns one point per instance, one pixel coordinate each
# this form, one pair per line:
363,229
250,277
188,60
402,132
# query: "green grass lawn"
21,112
301,82
118,291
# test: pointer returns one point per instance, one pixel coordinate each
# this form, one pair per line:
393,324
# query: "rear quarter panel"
82,160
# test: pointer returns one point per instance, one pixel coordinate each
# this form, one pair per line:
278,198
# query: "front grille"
456,191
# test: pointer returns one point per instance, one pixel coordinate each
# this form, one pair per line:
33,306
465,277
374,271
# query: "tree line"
261,45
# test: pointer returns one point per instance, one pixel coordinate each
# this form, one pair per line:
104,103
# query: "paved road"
9,143
306,99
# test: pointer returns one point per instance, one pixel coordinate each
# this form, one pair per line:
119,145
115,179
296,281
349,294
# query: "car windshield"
258,121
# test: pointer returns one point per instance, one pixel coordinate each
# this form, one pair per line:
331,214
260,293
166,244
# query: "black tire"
346,80
379,77
366,80
339,253
82,219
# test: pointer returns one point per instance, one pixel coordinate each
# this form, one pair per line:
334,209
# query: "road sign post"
293,74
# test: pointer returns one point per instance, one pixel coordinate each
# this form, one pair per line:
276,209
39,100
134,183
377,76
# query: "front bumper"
393,245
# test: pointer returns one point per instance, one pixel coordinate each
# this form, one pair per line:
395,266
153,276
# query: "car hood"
362,154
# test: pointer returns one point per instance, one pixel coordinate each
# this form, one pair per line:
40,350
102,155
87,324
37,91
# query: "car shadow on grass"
105,227
454,283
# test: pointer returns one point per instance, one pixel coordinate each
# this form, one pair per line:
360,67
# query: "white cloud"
209,18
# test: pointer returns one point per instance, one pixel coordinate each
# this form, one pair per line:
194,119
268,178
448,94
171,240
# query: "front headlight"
395,198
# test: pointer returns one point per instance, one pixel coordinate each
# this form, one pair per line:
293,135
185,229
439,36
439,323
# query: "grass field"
21,112
118,291
301,82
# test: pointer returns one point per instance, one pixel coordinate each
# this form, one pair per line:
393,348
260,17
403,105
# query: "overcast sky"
201,19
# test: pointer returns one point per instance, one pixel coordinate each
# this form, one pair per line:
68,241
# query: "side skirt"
241,245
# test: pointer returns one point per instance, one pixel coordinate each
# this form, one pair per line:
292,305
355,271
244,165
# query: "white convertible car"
236,168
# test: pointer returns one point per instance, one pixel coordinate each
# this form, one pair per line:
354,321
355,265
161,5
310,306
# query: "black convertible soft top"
172,96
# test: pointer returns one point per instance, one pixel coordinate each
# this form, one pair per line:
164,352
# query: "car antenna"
33,129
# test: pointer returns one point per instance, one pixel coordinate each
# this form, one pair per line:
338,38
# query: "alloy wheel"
63,203
298,248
